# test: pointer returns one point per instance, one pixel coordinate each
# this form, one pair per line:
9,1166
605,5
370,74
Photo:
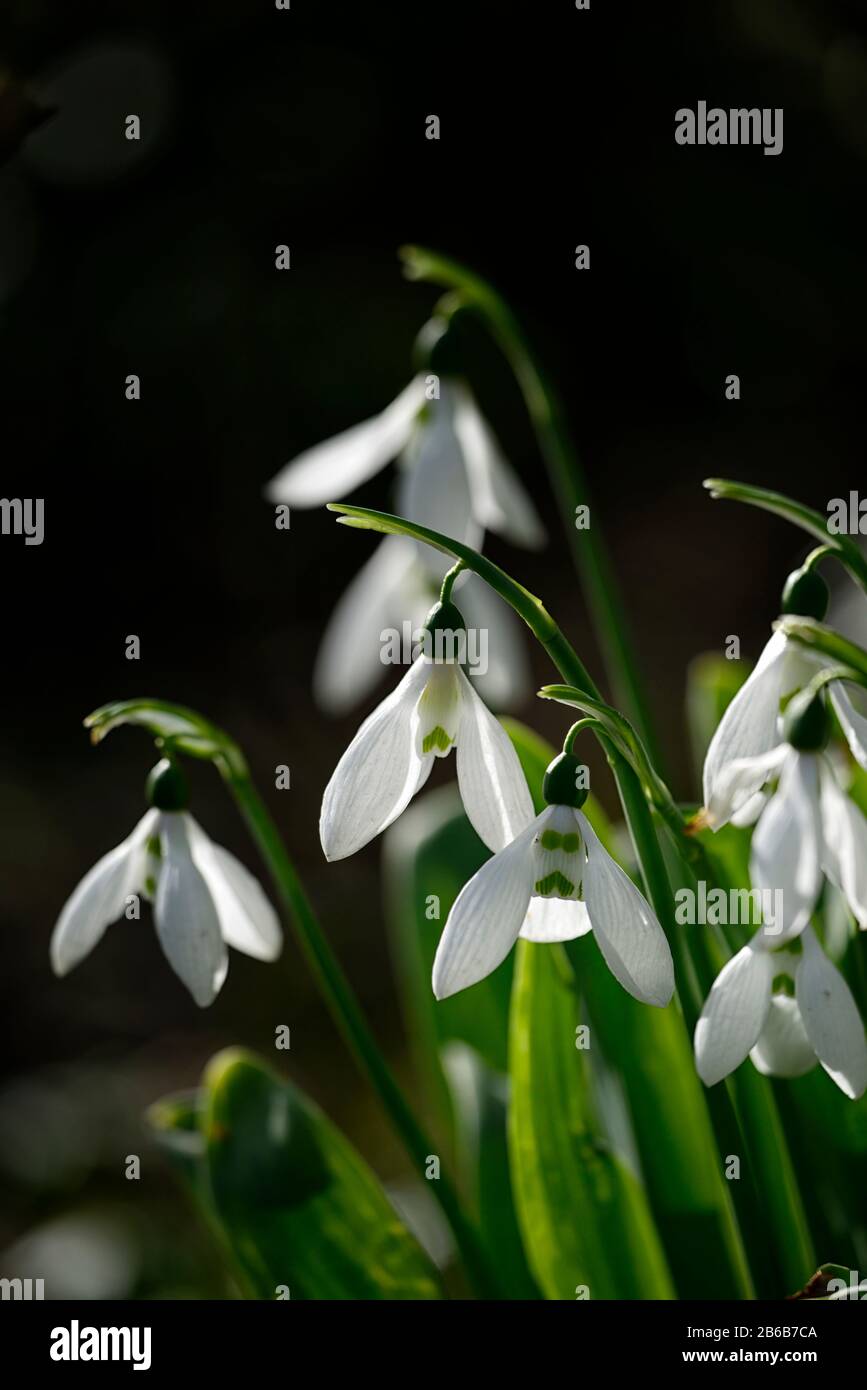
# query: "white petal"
831,1018
783,1049
483,925
433,487
751,810
555,919
100,898
349,661
499,502
248,922
506,682
844,832
493,786
853,724
629,936
786,848
735,789
749,726
336,467
185,915
378,774
734,1014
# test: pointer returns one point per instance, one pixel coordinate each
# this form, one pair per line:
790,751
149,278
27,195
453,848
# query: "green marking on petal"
552,839
150,886
555,885
437,738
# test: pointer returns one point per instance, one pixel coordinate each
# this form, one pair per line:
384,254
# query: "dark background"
262,127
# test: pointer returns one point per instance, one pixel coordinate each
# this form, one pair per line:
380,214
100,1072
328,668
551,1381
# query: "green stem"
449,581
840,546
569,740
349,1018
565,471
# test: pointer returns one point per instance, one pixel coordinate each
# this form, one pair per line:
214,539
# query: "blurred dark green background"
307,128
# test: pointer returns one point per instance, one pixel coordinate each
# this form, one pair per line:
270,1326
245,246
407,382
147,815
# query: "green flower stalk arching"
179,730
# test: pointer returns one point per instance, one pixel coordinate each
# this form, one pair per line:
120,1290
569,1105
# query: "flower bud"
806,725
560,787
444,617
805,594
166,787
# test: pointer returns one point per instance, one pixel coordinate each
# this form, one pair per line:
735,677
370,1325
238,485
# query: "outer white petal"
831,1019
506,682
378,774
493,786
100,898
499,502
336,467
186,916
486,918
853,724
248,922
749,726
734,794
787,848
555,919
844,832
734,1014
349,661
751,810
783,1048
625,926
433,487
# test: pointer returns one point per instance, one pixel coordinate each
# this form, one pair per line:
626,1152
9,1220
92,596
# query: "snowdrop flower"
749,728
554,882
433,709
397,585
452,478
808,828
787,1010
204,900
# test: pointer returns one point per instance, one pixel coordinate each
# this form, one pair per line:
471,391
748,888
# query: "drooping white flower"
433,710
452,478
808,828
204,901
398,586
749,1012
554,882
449,460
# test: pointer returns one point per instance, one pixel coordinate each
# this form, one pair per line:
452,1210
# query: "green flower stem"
842,547
564,468
824,640
577,727
449,582
181,730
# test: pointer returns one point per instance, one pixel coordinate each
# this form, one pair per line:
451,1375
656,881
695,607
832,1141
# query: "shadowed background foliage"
307,128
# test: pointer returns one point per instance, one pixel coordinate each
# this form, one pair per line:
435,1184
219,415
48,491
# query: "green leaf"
481,1104
297,1205
585,1217
651,1053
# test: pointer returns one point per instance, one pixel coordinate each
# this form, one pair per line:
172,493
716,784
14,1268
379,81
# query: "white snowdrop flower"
398,586
750,727
787,1010
451,465
204,900
808,828
433,710
554,882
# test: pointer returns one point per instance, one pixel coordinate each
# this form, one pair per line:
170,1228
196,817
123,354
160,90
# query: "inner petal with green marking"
558,856
439,711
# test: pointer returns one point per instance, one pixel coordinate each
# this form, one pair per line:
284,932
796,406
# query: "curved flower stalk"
555,882
454,477
786,1010
433,710
204,900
